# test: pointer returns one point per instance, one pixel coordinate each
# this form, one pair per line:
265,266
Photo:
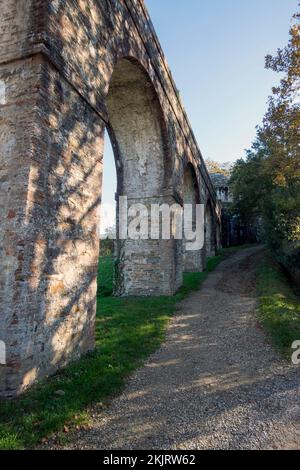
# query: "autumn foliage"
266,184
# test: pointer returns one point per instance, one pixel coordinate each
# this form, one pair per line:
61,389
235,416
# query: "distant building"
234,231
221,184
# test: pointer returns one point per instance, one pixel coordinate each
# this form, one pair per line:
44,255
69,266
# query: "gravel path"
216,382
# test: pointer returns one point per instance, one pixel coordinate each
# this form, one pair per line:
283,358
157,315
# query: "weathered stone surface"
68,70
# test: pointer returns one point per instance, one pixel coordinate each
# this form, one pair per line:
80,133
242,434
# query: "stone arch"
65,59
137,130
192,260
210,236
138,134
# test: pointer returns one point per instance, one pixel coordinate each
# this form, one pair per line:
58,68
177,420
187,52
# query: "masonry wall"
56,61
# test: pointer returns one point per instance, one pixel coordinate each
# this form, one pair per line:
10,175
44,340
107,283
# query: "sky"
216,52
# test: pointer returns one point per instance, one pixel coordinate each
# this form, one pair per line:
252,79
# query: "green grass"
127,331
279,309
105,276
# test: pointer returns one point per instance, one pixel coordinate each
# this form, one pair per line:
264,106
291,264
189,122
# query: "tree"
216,167
267,182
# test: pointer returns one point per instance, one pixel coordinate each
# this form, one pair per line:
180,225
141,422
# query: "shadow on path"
216,382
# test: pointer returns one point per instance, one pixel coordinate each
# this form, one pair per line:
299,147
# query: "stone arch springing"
137,131
192,260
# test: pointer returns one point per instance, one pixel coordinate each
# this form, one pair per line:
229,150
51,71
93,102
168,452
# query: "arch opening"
192,260
210,239
143,266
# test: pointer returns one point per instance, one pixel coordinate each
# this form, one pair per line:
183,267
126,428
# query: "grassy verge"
127,331
279,310
105,276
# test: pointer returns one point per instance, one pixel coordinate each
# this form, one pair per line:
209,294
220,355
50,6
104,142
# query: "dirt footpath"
215,383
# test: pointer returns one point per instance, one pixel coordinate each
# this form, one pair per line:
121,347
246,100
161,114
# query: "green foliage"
249,185
266,184
279,310
106,247
127,331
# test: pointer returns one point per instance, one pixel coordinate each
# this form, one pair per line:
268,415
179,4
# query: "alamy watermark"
160,221
2,353
296,354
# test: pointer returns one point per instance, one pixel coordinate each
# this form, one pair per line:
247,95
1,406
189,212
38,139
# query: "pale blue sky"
215,50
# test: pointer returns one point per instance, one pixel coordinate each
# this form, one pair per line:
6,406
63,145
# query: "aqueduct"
69,69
